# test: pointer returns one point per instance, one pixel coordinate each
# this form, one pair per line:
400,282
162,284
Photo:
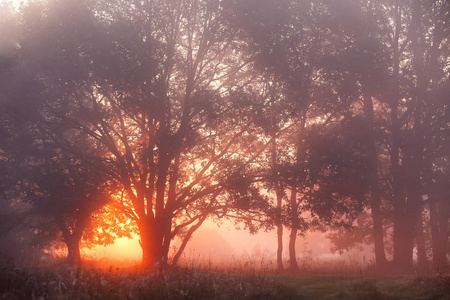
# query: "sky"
15,3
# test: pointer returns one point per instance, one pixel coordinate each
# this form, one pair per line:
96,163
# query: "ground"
368,287
63,282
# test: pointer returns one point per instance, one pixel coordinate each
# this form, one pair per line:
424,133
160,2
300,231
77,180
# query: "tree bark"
439,222
293,266
435,236
279,198
413,152
407,215
280,247
151,242
186,240
73,250
375,201
72,238
422,261
444,235
400,229
404,231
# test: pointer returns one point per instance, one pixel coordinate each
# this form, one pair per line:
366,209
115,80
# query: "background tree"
65,193
62,188
358,64
370,58
288,43
14,236
196,109
392,104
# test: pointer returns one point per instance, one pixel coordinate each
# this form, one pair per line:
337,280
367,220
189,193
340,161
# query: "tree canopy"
297,114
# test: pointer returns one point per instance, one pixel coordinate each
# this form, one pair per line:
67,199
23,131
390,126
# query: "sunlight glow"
14,3
123,252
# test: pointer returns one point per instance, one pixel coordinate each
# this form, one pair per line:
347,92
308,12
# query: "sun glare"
113,239
124,251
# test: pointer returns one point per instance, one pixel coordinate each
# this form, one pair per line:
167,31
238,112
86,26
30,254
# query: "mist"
230,143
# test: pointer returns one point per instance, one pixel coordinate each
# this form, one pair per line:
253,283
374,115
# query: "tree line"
294,115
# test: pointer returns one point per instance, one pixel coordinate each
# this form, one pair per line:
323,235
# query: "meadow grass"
65,282
249,280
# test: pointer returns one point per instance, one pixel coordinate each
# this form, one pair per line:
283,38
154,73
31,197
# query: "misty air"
224,149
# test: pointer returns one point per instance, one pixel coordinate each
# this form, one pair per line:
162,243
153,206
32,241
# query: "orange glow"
112,238
222,245
123,252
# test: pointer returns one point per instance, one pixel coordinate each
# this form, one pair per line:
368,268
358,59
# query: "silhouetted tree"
152,87
65,193
358,63
385,52
289,40
195,109
62,188
427,114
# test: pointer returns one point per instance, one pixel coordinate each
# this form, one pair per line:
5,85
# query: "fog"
316,133
227,247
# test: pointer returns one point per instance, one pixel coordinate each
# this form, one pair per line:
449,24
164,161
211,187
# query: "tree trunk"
380,256
280,247
293,266
438,219
396,139
186,239
403,241
422,261
279,197
73,250
444,234
406,218
375,201
415,147
72,239
439,234
435,236
152,245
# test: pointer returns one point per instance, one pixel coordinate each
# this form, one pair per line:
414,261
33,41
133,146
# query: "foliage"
106,225
157,114
376,69
174,112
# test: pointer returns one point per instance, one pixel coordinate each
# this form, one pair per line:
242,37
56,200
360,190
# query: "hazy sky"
227,243
15,3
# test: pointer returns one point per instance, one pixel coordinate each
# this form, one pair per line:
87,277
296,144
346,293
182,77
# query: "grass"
368,287
117,283
89,282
